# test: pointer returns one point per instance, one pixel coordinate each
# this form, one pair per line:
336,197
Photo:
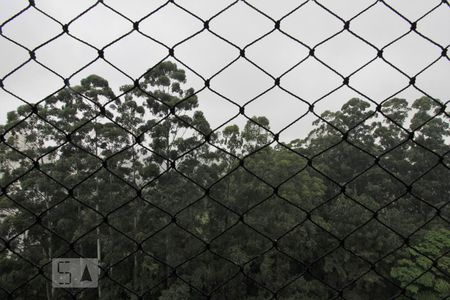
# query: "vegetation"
359,209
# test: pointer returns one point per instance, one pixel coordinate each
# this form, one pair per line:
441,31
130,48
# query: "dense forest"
359,209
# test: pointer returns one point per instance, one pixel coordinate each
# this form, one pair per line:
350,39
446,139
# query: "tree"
425,267
190,212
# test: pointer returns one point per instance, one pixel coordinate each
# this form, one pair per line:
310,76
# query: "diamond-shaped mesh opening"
321,243
427,24
343,275
421,269
241,248
336,211
288,269
66,172
220,110
200,51
28,34
276,53
283,115
116,195
220,271
412,167
105,75
25,143
241,82
100,35
380,74
137,158
101,139
163,193
133,269
225,149
40,81
367,235
136,229
375,197
377,33
8,48
26,272
140,49
297,24
234,26
355,117
426,83
434,192
273,174
240,200
348,154
419,214
173,245
42,194
286,217
302,80
340,53
13,234
77,110
80,213
409,47
303,191
172,33
207,219
76,55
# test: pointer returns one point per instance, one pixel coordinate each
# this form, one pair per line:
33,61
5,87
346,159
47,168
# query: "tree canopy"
174,209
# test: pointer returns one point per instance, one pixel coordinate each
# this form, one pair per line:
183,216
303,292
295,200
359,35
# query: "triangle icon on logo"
86,275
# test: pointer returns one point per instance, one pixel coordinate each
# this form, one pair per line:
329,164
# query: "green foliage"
425,267
153,141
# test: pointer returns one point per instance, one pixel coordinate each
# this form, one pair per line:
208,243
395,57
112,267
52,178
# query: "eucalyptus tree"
175,210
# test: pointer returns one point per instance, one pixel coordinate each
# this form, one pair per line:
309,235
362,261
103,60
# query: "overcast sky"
207,54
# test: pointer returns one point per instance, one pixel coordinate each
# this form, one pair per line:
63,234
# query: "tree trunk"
98,254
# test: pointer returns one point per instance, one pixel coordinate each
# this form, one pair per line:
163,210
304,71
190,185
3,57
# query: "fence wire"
169,222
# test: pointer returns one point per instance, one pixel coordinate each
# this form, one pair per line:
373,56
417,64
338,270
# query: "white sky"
207,54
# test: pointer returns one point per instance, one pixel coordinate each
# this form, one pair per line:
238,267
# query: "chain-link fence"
174,208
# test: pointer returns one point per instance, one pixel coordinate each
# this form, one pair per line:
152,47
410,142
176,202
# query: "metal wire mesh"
203,245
